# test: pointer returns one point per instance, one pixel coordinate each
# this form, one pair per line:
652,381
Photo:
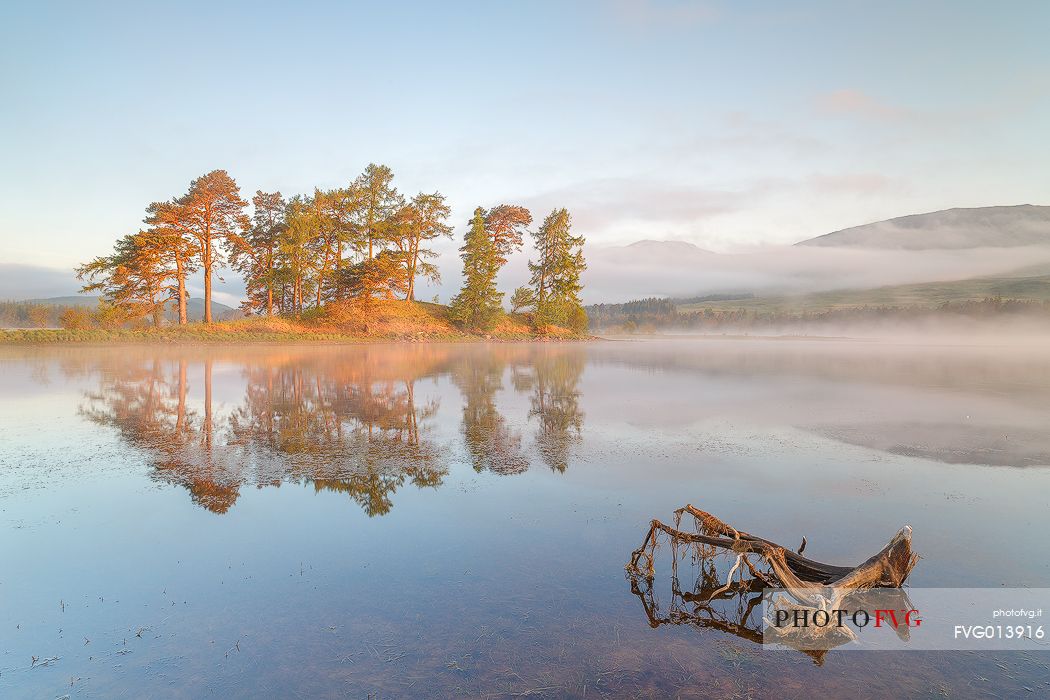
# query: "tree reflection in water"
555,399
490,442
347,421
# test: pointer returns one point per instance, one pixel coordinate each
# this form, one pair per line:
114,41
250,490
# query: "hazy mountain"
649,252
982,227
665,248
194,306
952,245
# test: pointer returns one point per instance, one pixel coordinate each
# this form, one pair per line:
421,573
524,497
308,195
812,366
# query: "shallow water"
450,521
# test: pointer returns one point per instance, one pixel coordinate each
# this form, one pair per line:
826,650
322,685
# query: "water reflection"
350,422
490,441
453,594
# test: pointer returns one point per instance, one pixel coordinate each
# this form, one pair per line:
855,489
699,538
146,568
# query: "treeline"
25,314
654,311
357,243
650,311
655,314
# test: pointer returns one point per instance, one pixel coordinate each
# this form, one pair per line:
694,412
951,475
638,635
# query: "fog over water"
621,274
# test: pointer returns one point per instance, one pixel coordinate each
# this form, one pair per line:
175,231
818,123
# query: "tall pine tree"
255,254
556,274
478,304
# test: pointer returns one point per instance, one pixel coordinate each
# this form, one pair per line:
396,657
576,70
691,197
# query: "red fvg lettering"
801,617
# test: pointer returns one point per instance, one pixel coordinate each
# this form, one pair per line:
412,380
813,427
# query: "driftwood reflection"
734,609
351,422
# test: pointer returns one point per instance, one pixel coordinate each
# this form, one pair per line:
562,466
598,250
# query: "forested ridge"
667,314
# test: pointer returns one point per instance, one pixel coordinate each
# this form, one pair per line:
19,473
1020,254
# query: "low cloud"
606,206
615,274
19,282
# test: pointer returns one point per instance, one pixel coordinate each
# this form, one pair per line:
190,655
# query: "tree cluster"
361,242
364,240
553,293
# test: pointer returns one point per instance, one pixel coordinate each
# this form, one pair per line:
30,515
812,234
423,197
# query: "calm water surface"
452,521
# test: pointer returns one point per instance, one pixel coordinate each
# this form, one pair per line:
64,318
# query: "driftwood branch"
759,563
803,577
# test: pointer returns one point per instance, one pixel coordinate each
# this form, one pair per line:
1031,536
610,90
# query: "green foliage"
417,223
651,311
75,318
23,314
577,320
379,277
478,304
255,254
136,277
112,316
506,225
362,242
556,274
379,202
522,299
38,316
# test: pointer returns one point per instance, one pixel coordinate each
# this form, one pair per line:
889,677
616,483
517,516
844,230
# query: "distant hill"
655,254
665,247
194,306
1007,227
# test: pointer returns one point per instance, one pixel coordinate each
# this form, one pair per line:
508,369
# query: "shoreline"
386,321
56,337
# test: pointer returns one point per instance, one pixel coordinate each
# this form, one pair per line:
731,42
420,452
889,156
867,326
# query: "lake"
437,520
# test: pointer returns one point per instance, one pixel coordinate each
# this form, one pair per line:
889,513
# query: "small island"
334,265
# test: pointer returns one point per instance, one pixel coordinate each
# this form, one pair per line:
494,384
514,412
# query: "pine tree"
418,222
378,202
522,298
507,225
478,304
136,280
209,214
255,254
556,274
294,250
165,222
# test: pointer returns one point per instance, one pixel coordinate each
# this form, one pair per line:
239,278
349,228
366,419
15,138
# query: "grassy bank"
378,321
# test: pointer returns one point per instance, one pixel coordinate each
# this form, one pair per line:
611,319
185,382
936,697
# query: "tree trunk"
207,294
181,275
411,296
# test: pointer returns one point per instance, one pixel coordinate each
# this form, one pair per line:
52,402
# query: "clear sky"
721,123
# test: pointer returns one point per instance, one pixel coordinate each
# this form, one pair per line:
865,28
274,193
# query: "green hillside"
927,294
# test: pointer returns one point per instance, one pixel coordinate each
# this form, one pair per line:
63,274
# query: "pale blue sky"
725,124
